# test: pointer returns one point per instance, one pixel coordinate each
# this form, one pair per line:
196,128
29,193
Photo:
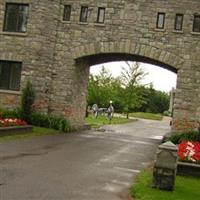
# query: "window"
160,21
10,75
16,17
67,13
84,14
178,22
101,15
196,24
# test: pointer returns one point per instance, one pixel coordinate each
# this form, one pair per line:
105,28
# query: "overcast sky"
162,79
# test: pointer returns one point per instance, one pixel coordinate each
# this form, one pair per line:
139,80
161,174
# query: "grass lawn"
37,131
102,120
186,188
143,115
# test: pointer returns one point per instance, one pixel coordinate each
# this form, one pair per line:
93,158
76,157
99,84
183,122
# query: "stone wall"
35,49
57,54
9,100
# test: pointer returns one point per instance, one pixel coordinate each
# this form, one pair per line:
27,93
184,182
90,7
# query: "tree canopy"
126,91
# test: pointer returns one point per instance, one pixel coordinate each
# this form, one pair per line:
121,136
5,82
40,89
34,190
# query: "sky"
162,79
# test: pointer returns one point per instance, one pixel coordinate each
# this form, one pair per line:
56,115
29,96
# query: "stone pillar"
81,78
69,90
165,167
171,105
185,103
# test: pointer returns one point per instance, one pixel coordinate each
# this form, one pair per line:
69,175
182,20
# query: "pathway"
91,165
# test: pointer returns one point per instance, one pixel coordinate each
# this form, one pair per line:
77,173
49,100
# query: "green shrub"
54,123
39,119
167,113
43,120
6,113
177,138
28,97
60,124
65,125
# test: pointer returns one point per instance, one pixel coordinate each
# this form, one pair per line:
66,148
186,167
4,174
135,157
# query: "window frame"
81,12
193,29
10,67
5,28
69,19
98,15
176,20
163,23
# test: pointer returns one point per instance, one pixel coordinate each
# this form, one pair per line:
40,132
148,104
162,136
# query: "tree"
126,92
102,88
28,97
158,101
130,79
132,75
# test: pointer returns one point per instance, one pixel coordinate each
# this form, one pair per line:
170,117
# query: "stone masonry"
165,167
56,54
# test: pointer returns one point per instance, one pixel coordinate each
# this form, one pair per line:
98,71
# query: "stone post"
165,167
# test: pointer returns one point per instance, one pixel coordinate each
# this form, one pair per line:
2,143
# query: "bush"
39,119
177,138
28,97
13,114
43,120
167,113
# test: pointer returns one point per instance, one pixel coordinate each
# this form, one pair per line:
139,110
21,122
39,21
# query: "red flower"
12,122
189,151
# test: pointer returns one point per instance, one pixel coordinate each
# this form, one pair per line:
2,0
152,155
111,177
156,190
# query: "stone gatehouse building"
54,42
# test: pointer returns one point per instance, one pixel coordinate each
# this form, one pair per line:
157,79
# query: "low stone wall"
188,169
15,130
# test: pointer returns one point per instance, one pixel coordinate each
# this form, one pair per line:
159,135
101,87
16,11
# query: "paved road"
92,165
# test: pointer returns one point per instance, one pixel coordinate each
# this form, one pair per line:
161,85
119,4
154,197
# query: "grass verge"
143,115
103,120
37,131
187,188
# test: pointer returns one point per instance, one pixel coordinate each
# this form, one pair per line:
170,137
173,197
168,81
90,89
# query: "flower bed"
12,126
189,156
189,151
12,122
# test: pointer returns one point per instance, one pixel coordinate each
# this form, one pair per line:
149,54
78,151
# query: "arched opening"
111,57
84,63
162,78
155,91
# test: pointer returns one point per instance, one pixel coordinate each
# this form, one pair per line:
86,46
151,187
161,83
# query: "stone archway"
56,54
129,47
95,53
